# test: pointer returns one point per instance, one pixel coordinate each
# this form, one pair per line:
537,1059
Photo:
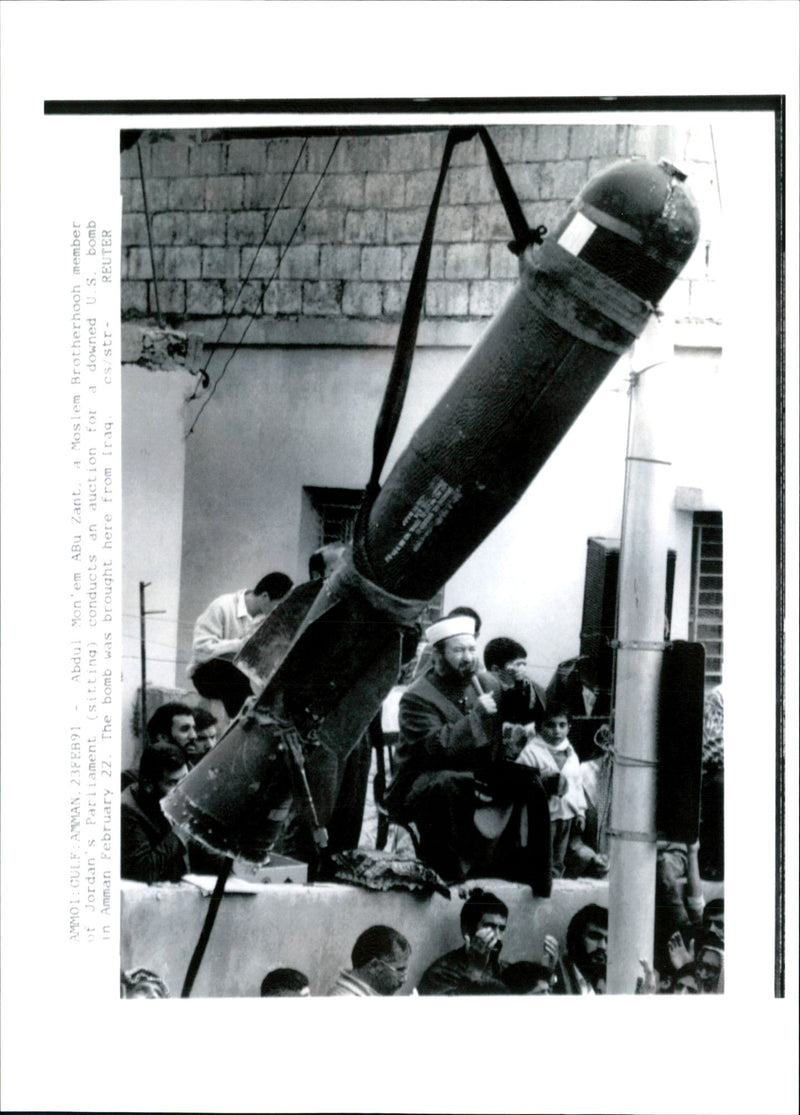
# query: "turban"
446,628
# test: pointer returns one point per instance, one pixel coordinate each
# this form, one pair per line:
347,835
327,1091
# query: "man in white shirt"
220,633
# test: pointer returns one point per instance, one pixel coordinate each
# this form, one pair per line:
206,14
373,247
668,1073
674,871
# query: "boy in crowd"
521,698
550,752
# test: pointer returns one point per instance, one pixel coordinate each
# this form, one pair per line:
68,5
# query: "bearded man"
477,813
582,971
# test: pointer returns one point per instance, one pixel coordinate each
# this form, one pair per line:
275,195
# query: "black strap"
395,394
205,933
397,385
524,236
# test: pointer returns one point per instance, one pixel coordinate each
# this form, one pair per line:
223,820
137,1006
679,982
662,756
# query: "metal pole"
143,656
640,649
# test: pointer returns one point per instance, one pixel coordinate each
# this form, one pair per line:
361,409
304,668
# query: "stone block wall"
246,226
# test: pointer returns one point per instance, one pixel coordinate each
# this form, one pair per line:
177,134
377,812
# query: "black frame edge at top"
418,105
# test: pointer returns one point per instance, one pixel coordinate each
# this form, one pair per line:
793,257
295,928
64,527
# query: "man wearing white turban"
451,771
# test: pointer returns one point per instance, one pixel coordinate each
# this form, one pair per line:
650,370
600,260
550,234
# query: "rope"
627,834
632,761
240,341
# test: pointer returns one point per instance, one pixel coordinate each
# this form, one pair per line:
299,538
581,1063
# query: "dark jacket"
450,975
441,729
151,852
523,703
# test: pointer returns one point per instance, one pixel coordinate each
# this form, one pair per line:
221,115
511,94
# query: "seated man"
220,633
380,962
450,758
152,851
173,722
475,968
421,662
285,983
582,971
522,700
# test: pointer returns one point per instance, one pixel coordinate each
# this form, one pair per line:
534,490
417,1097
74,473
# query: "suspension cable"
240,341
204,377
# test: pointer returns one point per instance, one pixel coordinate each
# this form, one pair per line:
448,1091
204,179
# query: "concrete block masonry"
224,194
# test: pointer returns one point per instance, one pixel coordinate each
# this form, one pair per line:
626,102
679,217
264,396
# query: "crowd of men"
485,778
380,961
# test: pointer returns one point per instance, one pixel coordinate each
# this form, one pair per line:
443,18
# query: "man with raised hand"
475,968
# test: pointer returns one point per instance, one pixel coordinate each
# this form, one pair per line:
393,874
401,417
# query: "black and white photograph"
421,472
447,650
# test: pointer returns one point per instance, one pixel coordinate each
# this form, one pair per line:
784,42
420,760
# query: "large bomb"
328,655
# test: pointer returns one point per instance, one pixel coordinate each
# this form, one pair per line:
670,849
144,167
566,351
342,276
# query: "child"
522,699
550,752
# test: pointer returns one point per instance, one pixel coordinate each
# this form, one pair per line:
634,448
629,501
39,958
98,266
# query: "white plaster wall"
283,418
161,925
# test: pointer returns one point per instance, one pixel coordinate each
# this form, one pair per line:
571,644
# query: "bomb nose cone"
646,225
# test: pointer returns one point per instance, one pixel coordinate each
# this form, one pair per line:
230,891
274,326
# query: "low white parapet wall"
312,927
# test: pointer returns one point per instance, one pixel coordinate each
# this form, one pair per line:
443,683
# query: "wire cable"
204,377
149,234
240,341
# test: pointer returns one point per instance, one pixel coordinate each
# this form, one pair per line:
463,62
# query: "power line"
204,378
240,341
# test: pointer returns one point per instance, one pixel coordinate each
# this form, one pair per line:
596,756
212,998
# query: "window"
330,515
335,510
705,609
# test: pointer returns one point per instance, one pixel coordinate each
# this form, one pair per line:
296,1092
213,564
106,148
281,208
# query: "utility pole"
639,656
143,652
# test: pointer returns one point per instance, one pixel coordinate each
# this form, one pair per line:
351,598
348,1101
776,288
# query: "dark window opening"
705,608
336,510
